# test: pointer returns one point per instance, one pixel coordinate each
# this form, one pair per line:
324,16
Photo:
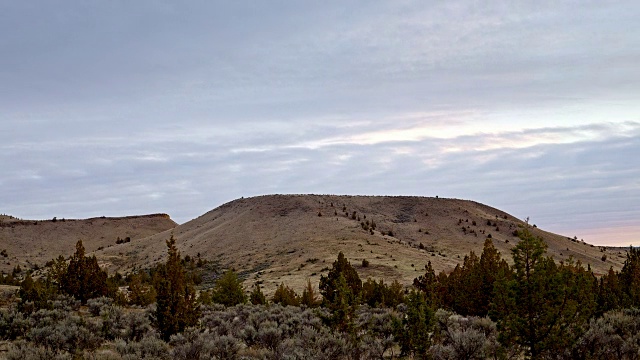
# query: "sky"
113,108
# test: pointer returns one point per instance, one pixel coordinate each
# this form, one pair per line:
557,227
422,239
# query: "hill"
289,238
34,242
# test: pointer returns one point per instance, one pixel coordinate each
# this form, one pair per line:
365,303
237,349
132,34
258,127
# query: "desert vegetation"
484,308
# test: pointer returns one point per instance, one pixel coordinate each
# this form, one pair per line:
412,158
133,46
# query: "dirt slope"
31,242
289,238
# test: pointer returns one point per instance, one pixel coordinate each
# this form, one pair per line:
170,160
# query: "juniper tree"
228,290
544,306
309,297
257,297
285,296
83,278
630,277
176,305
341,290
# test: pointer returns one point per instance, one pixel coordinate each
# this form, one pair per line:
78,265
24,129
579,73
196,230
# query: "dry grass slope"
33,242
289,238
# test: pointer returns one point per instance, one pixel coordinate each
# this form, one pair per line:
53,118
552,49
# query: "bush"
149,347
285,296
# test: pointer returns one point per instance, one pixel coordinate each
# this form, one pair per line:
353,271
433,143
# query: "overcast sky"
131,107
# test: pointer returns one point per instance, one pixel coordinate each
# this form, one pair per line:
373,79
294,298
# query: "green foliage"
413,333
341,290
285,296
329,287
429,284
630,278
257,297
468,290
140,292
83,279
228,290
36,294
611,293
544,306
176,305
379,294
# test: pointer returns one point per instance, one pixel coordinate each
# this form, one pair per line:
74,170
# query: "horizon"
133,108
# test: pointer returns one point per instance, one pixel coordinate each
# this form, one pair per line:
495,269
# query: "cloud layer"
120,108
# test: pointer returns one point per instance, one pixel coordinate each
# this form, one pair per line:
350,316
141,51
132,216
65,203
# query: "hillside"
33,242
289,238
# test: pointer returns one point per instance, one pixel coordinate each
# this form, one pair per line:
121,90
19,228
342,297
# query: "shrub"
257,297
13,324
285,296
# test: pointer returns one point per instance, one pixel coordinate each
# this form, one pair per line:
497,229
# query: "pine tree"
176,305
36,294
611,295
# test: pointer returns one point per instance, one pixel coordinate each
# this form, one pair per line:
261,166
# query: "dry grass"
281,238
31,242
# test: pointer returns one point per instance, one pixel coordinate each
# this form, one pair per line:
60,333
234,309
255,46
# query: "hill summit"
291,238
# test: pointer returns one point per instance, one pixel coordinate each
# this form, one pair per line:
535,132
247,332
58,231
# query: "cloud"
118,108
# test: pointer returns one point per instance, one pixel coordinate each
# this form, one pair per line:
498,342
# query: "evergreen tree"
36,294
140,293
468,290
83,278
228,290
379,294
176,305
611,295
309,297
630,278
285,296
257,297
413,333
544,306
329,284
430,285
